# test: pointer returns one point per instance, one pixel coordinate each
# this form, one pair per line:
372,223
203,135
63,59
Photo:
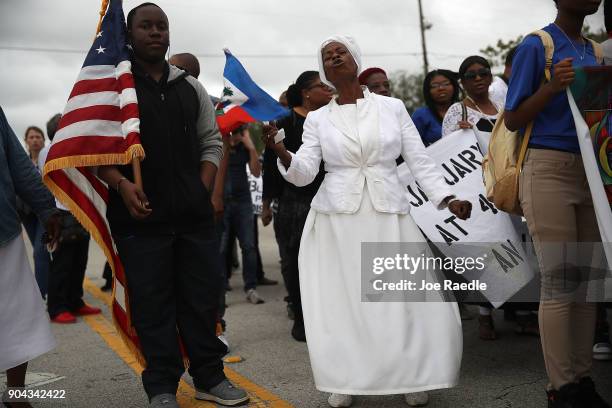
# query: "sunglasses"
482,72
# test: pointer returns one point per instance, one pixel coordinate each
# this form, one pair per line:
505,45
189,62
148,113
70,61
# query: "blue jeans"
238,216
42,261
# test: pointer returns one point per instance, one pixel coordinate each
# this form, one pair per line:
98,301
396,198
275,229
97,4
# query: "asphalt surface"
508,372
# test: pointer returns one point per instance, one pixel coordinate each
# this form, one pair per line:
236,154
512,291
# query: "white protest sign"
256,188
489,232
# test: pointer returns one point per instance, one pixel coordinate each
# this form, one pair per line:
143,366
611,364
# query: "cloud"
281,38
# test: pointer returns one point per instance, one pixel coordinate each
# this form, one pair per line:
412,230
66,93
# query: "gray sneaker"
224,393
164,401
253,297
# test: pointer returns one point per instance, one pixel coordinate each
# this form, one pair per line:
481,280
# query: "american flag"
99,126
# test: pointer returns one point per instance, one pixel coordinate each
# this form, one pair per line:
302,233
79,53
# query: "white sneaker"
602,351
340,400
417,399
253,297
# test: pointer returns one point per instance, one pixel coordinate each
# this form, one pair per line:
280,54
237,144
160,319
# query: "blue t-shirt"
554,127
428,125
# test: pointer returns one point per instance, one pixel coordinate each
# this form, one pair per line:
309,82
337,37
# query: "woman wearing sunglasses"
440,91
479,108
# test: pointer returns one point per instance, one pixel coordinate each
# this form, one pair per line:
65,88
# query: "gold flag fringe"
93,160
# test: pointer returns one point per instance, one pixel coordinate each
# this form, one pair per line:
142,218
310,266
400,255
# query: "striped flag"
243,101
99,126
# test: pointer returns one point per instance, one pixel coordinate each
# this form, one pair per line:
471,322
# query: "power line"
221,55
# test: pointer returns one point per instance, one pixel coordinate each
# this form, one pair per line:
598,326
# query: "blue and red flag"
243,101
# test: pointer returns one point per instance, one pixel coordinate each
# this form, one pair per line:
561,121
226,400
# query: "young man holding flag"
164,232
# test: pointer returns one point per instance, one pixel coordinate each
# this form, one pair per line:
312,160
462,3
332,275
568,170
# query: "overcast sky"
275,40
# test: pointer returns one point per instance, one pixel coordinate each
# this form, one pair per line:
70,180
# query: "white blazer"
385,131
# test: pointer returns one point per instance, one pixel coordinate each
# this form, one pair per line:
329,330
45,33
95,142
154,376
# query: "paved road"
94,368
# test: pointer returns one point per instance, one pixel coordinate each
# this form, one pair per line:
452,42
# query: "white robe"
358,347
25,332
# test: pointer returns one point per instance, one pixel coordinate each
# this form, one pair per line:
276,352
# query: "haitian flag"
242,100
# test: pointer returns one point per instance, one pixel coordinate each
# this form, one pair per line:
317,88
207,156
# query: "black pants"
68,266
174,282
260,272
289,221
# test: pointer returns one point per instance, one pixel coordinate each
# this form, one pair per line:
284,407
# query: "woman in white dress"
25,332
366,348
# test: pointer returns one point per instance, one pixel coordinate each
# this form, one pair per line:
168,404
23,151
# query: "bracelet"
119,183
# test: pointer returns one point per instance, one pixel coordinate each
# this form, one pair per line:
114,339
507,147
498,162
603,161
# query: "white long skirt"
25,332
361,348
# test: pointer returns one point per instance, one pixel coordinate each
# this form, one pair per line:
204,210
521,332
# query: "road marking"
260,397
36,379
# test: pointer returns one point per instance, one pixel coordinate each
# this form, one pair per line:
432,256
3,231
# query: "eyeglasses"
482,72
436,85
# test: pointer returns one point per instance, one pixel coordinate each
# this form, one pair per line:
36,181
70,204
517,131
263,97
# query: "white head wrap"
351,46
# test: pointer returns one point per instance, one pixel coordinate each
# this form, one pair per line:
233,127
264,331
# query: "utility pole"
423,28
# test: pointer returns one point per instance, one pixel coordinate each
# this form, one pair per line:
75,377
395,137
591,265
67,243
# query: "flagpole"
102,13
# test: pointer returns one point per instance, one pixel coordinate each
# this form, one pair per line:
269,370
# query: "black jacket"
178,132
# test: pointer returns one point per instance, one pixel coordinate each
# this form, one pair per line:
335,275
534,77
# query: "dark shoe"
567,397
290,311
164,401
224,393
527,325
486,329
298,332
266,282
589,396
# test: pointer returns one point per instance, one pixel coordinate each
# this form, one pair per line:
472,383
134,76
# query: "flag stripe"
100,188
85,127
102,85
233,119
92,145
126,97
99,112
96,72
120,295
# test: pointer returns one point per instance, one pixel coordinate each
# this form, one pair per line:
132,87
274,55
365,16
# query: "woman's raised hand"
268,133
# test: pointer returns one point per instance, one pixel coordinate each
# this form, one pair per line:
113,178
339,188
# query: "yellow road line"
260,397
